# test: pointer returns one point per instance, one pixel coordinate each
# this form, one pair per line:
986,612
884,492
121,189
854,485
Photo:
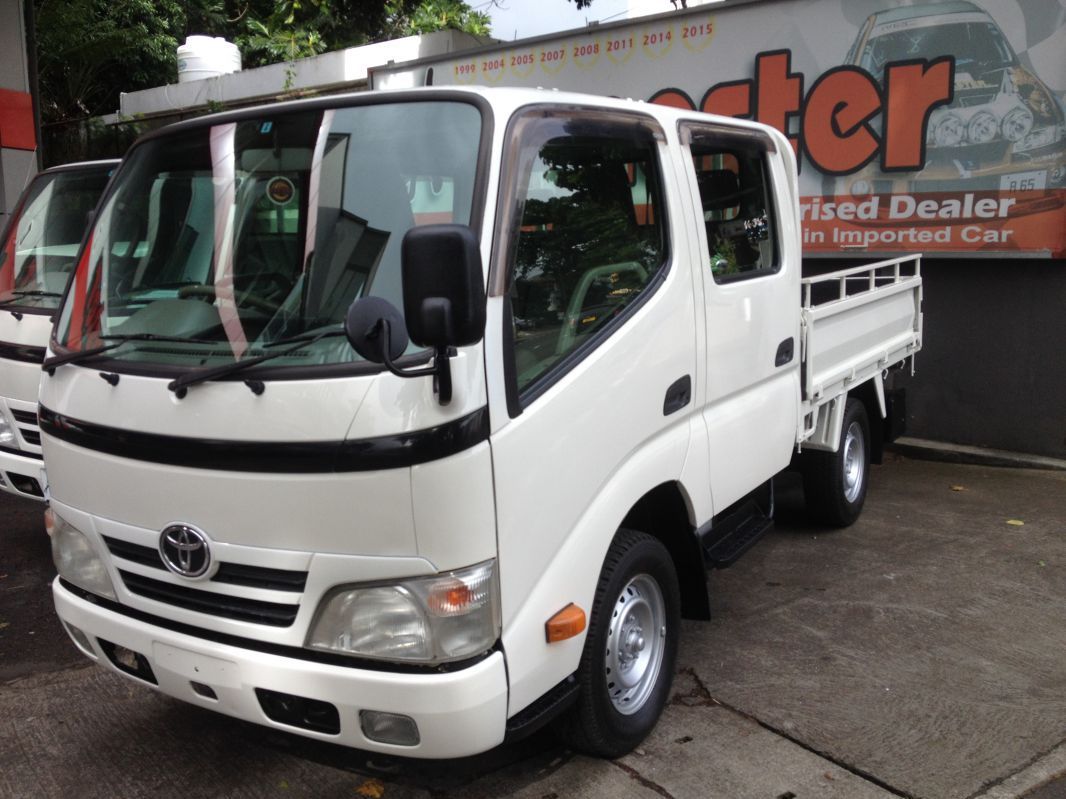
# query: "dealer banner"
936,127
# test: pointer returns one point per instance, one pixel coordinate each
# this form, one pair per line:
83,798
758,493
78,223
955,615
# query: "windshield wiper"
6,304
35,293
180,385
116,341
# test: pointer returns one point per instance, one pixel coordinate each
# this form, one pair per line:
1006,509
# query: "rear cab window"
732,174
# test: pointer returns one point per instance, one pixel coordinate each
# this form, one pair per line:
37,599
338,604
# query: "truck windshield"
41,240
246,233
978,47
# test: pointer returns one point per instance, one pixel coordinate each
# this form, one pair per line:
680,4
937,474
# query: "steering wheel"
242,297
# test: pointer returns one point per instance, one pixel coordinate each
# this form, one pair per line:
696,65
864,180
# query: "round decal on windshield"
280,190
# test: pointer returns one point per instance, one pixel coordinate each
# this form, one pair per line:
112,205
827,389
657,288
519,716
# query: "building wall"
992,370
18,158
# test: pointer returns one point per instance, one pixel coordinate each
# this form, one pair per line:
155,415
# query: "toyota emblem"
184,550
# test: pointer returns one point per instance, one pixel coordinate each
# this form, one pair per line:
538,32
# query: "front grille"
25,417
241,608
27,425
146,556
232,573
231,607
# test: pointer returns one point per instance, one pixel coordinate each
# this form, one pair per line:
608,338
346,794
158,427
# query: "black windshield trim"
318,371
396,451
24,353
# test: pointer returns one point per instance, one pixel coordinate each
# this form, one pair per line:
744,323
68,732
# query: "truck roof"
504,100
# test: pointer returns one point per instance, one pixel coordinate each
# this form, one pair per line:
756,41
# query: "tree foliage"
90,50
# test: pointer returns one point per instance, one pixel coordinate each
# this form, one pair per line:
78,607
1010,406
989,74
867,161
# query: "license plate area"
1024,181
196,667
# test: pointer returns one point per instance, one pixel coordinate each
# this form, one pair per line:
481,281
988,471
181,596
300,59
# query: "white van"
37,251
415,476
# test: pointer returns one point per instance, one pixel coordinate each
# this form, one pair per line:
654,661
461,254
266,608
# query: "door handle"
678,395
786,350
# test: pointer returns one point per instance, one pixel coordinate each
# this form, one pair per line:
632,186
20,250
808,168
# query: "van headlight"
76,559
7,432
429,620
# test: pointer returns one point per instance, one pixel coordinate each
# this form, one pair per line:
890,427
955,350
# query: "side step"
735,530
726,551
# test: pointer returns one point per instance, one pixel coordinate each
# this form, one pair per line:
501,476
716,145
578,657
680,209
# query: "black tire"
603,722
834,483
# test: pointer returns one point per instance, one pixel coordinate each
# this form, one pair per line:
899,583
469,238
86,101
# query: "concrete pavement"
919,653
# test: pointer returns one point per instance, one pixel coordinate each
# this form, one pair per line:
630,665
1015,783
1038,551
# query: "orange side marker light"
567,623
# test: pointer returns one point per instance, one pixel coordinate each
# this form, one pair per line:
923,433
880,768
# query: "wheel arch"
871,394
663,513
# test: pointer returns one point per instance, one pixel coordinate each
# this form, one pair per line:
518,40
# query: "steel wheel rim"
854,462
636,641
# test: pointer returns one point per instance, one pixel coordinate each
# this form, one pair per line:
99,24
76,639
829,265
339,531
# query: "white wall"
16,166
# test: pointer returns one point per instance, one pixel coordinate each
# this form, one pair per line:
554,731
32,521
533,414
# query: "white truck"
277,495
37,250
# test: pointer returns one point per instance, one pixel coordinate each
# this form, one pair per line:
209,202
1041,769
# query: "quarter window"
589,237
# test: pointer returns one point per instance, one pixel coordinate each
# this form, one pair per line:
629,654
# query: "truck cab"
408,420
37,252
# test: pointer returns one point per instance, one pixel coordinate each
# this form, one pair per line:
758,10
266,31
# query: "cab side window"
735,197
588,244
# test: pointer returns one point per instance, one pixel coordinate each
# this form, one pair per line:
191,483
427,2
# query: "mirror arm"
441,368
442,381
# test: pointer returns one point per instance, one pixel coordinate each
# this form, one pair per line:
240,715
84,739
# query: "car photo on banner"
995,158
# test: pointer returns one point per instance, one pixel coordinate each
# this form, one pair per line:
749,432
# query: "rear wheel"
834,483
630,650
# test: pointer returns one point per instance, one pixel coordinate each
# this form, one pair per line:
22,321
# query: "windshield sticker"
280,190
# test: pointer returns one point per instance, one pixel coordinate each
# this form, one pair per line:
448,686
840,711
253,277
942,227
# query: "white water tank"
207,57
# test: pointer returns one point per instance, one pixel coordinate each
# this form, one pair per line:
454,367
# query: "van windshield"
41,241
240,235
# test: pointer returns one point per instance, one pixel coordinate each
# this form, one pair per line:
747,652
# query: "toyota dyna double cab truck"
37,251
409,420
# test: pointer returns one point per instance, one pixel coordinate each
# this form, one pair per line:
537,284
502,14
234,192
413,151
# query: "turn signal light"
567,623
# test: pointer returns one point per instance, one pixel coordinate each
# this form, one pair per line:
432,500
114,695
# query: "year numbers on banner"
697,35
620,50
466,72
657,43
551,61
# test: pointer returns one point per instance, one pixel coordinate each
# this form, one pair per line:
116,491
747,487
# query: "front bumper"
458,713
22,475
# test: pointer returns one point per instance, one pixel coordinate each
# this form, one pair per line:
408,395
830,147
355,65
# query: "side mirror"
443,286
366,333
443,300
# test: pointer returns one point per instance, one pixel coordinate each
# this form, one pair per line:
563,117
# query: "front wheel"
834,483
630,650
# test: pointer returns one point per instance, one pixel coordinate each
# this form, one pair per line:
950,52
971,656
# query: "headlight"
1017,123
948,131
429,620
77,561
982,128
7,433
